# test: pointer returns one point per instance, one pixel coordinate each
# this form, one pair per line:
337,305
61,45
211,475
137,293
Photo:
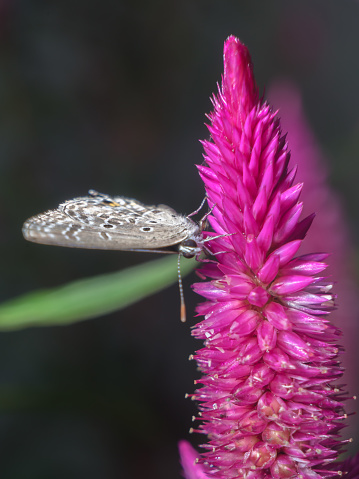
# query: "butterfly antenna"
180,285
198,209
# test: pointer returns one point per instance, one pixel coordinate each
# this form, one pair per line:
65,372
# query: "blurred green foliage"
91,297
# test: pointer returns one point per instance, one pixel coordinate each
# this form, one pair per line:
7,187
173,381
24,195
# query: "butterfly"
100,221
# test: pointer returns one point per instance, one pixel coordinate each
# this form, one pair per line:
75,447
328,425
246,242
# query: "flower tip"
235,52
234,44
232,38
238,81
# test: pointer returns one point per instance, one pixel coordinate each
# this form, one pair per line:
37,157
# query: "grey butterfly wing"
117,223
54,228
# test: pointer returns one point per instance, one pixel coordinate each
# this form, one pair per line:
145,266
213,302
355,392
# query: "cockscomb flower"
268,402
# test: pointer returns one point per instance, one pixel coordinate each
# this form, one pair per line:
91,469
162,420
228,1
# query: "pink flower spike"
268,403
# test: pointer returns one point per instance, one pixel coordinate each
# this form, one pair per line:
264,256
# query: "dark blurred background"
111,95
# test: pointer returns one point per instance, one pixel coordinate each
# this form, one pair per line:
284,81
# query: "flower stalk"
268,399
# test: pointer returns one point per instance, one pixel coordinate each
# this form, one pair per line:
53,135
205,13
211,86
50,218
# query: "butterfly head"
189,248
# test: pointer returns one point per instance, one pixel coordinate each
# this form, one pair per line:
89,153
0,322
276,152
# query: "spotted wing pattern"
101,221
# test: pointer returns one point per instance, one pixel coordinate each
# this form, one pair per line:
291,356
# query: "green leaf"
91,297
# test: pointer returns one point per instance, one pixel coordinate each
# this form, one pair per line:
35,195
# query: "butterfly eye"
188,248
189,243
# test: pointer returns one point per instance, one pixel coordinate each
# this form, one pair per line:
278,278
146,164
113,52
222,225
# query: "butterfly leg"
203,221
